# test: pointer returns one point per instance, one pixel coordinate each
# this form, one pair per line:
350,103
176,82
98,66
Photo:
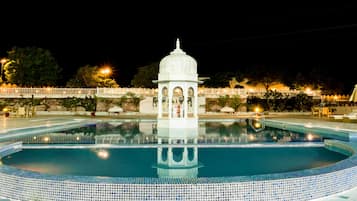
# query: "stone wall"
55,104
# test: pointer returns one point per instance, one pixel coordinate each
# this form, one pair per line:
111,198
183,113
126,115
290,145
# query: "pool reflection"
177,151
238,131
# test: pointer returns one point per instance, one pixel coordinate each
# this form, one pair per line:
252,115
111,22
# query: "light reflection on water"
133,132
43,168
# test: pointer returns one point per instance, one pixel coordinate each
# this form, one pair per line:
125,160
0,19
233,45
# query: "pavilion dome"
178,63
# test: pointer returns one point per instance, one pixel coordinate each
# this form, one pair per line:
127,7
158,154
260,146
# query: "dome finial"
178,43
178,49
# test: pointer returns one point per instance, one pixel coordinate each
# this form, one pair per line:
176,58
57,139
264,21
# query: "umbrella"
115,109
227,109
115,123
353,97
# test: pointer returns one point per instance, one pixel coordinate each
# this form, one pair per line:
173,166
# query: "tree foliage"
272,98
90,76
262,75
223,79
275,101
233,83
85,77
235,102
145,76
89,103
223,100
303,101
31,67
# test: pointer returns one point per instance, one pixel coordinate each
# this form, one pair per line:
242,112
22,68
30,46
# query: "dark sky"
220,37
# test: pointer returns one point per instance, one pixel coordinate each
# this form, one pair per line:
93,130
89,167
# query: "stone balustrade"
118,92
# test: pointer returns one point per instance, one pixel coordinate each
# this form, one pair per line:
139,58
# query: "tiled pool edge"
327,131
301,185
7,134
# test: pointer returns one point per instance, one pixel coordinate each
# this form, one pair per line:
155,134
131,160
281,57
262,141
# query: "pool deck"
16,123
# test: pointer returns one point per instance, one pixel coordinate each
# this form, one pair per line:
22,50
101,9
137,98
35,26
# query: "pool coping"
303,184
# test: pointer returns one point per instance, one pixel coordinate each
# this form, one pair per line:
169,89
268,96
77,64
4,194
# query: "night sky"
293,37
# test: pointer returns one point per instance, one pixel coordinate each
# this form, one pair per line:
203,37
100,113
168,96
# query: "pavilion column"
195,102
170,156
185,155
159,154
195,153
185,105
159,104
170,92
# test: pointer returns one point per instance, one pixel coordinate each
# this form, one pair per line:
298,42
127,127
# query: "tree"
235,102
297,82
145,76
262,75
85,77
31,67
223,100
131,98
303,102
233,83
273,98
223,79
89,103
90,76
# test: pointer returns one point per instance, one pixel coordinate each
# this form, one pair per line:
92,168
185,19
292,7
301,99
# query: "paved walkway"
16,123
350,195
324,123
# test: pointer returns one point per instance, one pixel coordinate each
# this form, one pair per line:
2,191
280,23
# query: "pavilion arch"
190,99
165,99
177,101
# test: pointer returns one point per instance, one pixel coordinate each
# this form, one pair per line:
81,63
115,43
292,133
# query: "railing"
118,92
335,98
215,92
46,92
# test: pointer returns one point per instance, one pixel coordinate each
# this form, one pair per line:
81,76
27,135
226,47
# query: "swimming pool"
145,162
222,139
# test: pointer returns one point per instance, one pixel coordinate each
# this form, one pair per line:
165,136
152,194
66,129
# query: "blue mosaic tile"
299,185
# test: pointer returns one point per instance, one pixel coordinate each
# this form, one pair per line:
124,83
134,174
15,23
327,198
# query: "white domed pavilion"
177,85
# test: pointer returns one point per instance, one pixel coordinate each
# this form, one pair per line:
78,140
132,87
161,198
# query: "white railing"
215,92
46,92
118,92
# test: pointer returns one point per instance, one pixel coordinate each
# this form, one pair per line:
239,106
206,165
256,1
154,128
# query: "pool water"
134,132
143,162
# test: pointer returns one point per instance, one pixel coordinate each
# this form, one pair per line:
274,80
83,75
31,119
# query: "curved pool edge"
334,132
300,185
7,134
